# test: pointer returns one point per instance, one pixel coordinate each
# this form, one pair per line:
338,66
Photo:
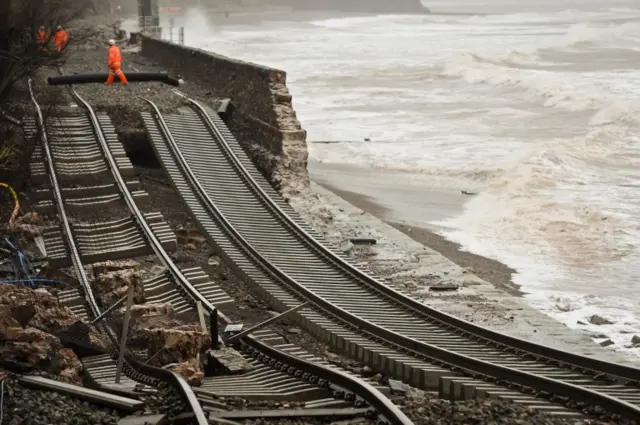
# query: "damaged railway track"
83,297
288,263
135,370
81,146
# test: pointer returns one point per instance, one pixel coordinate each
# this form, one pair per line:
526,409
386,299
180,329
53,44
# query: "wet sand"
400,201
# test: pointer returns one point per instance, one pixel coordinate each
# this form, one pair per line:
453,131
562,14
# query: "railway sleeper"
80,192
107,241
84,205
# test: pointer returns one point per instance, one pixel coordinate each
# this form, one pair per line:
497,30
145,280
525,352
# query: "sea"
533,105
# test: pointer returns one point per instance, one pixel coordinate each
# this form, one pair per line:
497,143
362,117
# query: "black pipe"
161,77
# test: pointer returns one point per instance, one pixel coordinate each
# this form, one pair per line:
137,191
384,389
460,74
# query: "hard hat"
112,42
59,27
42,27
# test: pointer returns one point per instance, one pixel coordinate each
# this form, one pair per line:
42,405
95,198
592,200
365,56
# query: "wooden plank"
97,397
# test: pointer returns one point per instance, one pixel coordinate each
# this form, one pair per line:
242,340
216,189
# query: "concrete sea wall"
263,119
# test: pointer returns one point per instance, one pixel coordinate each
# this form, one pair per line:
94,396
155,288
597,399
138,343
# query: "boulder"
53,320
113,285
181,344
599,320
31,322
29,348
635,340
178,344
192,371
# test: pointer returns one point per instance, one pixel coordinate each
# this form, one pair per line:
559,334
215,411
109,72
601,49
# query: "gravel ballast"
23,406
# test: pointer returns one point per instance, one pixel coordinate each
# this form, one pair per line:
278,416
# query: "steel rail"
376,399
64,221
470,364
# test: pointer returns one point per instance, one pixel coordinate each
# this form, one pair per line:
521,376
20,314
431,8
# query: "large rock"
181,344
62,322
149,315
113,285
177,344
192,371
167,339
30,323
26,349
7,321
599,320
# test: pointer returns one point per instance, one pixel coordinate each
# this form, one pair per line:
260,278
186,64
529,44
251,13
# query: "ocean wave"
557,89
519,200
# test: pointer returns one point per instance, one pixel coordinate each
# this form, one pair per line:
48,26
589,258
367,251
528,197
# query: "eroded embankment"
263,118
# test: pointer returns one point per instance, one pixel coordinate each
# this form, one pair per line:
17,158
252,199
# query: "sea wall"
263,119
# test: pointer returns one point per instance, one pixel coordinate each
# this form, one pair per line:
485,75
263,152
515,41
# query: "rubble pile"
168,340
30,321
113,278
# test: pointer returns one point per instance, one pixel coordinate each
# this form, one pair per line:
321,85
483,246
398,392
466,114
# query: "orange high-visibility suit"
41,37
60,39
115,62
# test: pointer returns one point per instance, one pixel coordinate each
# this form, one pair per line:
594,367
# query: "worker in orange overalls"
41,37
60,38
115,62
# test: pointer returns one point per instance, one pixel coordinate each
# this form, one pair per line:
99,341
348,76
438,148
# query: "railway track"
288,263
280,371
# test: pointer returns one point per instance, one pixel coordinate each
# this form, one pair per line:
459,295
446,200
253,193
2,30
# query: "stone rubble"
113,278
30,323
168,340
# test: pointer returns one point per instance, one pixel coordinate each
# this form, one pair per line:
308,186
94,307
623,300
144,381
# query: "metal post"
171,30
125,332
181,35
213,328
203,324
268,321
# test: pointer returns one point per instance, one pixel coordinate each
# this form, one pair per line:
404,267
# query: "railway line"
87,146
288,263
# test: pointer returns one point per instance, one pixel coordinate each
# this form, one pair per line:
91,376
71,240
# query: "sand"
401,201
